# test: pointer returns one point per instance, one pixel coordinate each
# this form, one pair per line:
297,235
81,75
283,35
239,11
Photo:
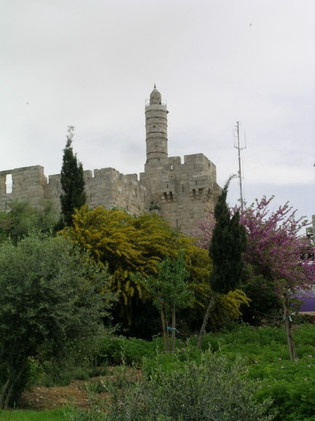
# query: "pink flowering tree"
277,253
276,249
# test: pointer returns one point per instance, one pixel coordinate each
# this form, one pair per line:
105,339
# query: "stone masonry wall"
106,187
181,193
28,184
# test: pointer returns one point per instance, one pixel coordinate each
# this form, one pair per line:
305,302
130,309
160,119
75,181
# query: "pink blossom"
274,245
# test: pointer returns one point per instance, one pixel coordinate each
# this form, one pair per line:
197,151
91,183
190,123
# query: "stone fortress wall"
179,192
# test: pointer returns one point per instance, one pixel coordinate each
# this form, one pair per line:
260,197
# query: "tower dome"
155,97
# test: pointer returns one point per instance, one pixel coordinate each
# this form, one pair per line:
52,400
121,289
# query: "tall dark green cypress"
72,182
226,248
228,243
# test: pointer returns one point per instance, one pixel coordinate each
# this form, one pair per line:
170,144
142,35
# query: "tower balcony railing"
147,103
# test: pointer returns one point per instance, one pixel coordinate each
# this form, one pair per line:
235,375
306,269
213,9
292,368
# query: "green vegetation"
170,292
227,246
209,389
130,245
19,415
72,182
242,372
252,360
22,219
57,295
50,298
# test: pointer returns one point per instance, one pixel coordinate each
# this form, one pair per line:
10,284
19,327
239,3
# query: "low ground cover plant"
19,415
115,350
251,360
291,384
264,351
212,388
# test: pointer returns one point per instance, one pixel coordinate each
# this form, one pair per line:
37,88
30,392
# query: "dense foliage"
170,292
72,182
23,219
50,295
278,259
290,384
226,249
264,361
128,245
210,388
227,246
275,246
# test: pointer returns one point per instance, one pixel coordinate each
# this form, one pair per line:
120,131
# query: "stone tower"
156,129
179,192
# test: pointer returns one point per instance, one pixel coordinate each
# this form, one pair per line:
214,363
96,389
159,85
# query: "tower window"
8,184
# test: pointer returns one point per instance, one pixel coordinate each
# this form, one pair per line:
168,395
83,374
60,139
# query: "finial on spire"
154,86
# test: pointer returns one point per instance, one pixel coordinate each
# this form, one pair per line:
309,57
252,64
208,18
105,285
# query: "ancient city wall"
105,187
26,184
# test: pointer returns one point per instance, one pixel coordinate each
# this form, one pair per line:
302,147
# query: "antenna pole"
238,147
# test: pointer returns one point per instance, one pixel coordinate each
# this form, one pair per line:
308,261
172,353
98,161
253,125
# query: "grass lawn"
21,415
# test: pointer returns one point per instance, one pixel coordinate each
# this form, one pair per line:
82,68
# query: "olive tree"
50,295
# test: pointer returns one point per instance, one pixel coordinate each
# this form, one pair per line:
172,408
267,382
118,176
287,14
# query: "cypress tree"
72,182
227,246
226,249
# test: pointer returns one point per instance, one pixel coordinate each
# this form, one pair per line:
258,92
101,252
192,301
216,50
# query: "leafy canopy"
50,295
276,248
129,245
23,219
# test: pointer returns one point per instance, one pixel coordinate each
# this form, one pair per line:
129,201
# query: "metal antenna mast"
239,149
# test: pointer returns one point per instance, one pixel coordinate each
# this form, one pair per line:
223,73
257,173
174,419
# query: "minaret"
156,129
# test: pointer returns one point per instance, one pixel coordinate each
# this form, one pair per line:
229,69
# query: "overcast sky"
92,64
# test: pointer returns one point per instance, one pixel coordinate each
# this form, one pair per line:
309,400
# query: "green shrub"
289,384
50,297
170,361
211,389
117,350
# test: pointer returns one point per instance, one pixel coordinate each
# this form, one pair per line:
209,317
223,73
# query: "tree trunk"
165,335
205,320
288,327
173,327
4,393
8,388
